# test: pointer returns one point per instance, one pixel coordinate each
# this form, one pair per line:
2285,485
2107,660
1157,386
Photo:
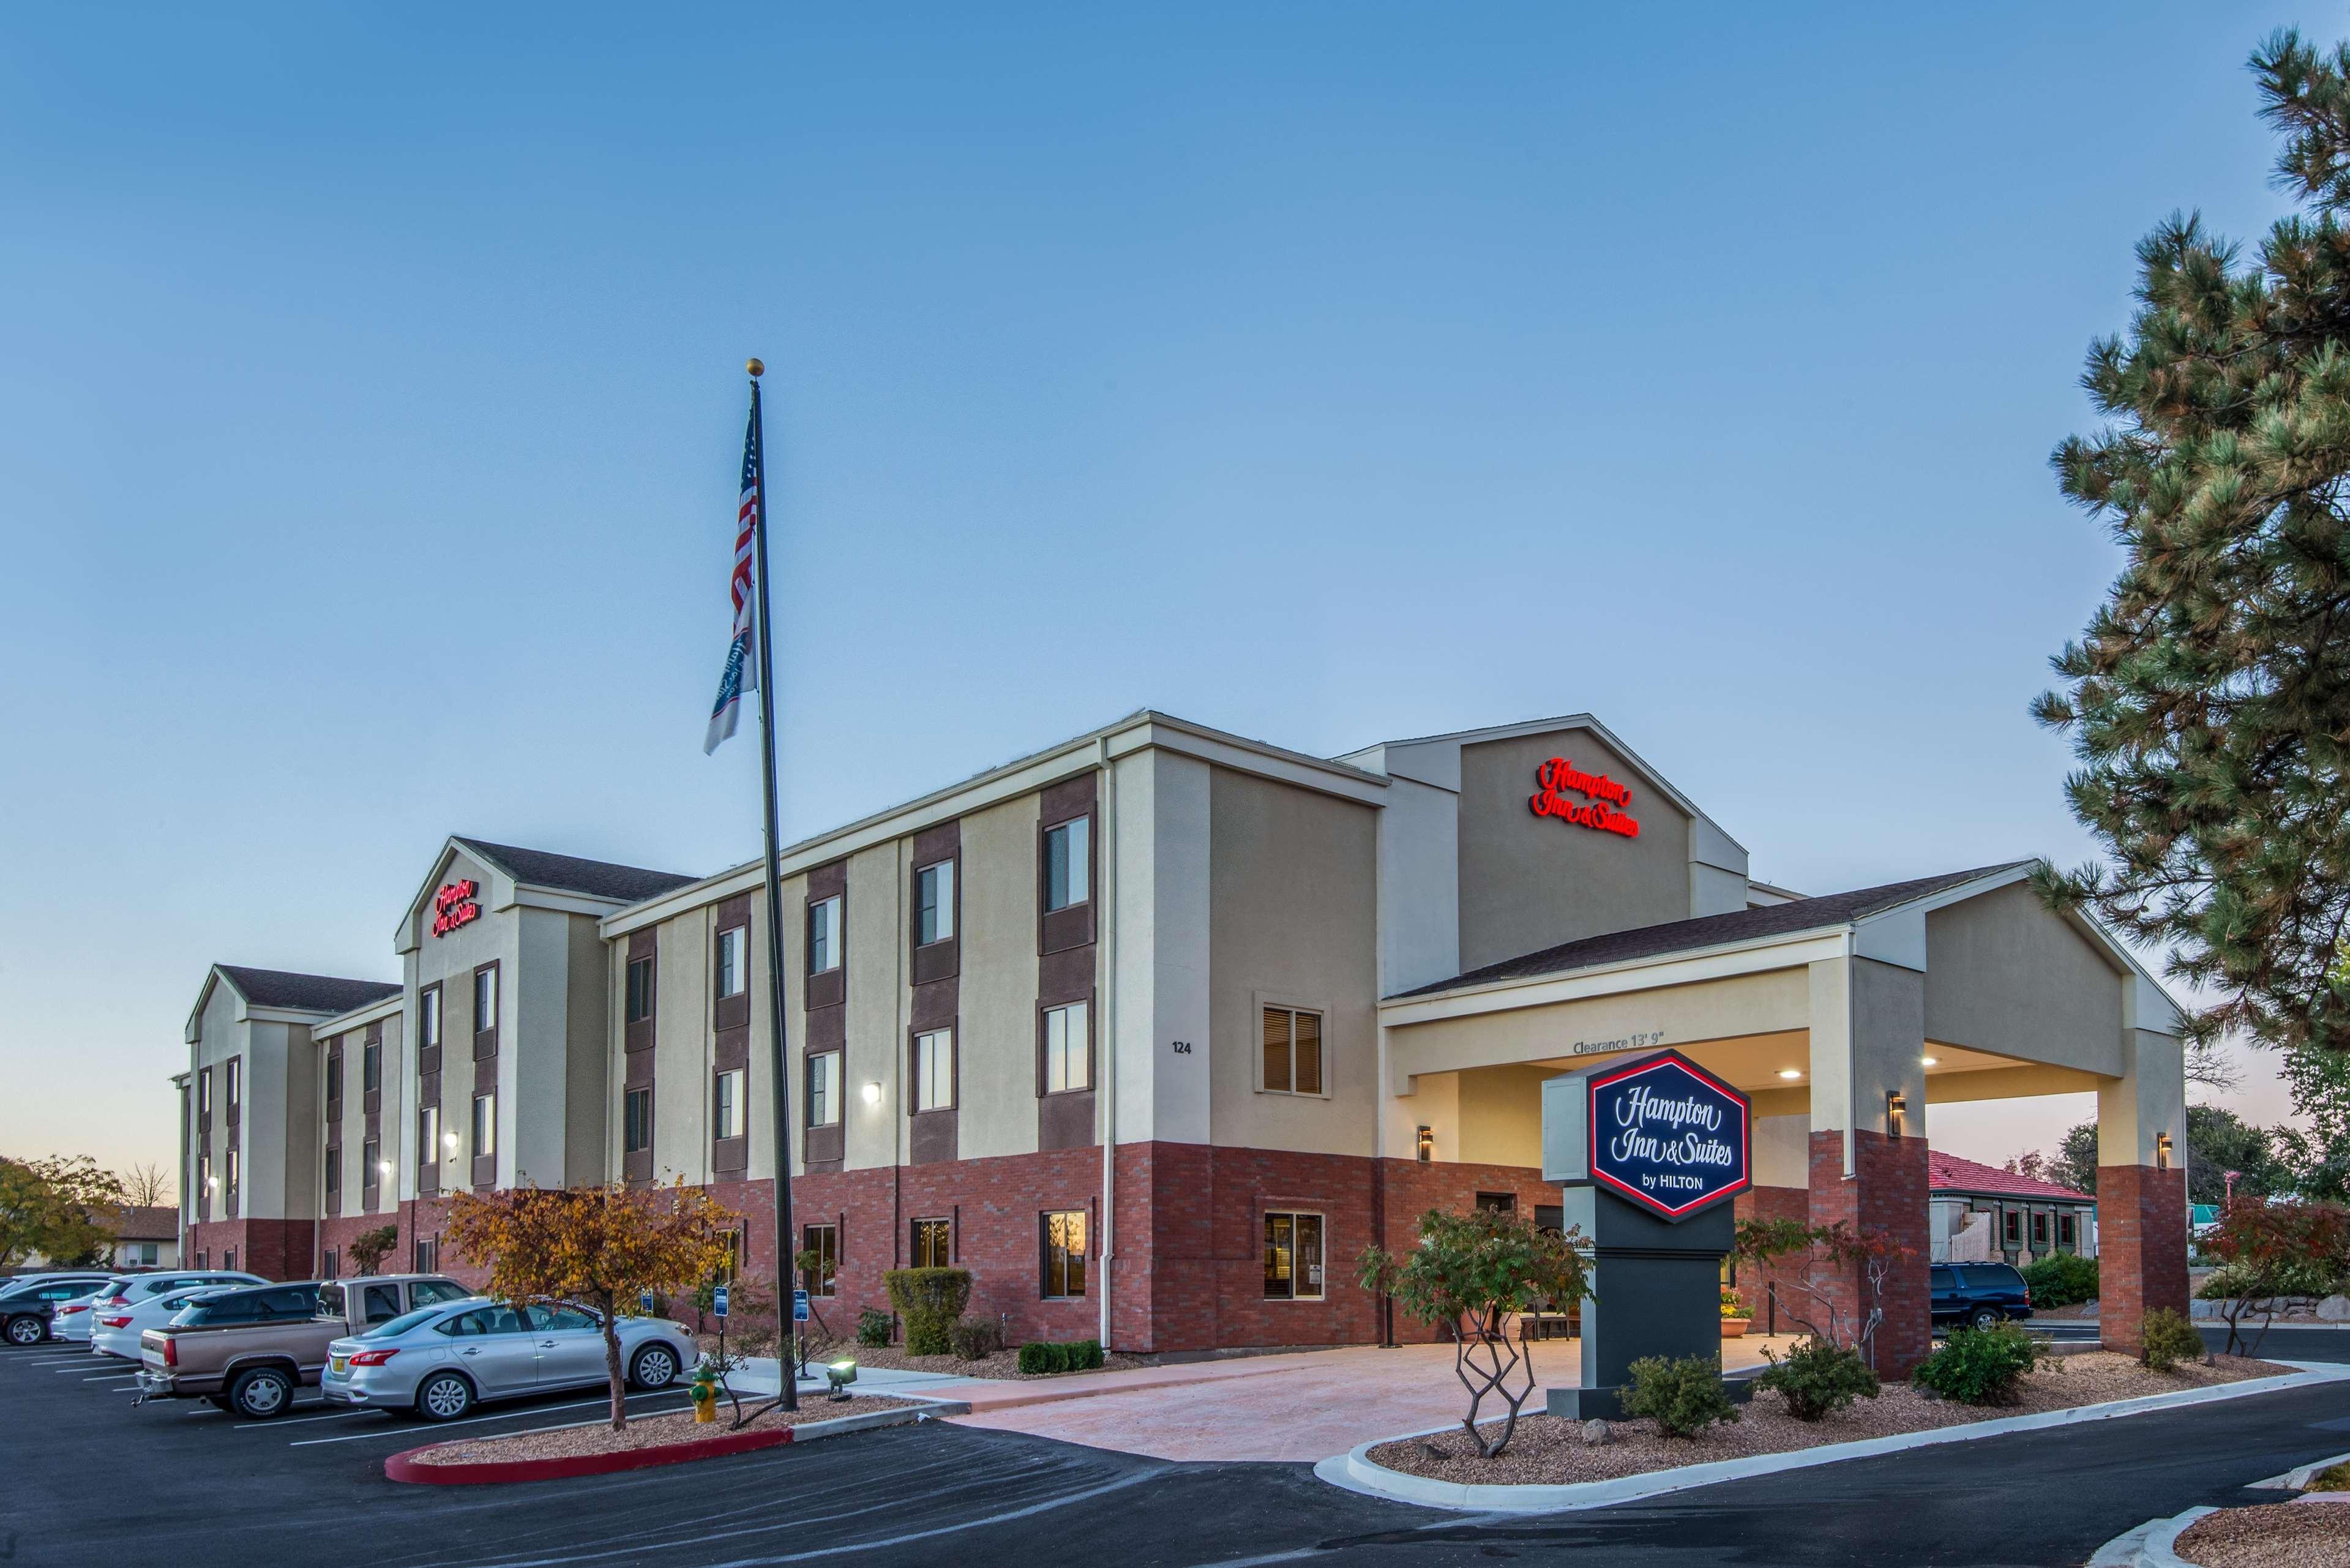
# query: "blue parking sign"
717,1301
799,1307
645,1303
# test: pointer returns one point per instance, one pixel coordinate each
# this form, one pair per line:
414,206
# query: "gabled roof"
160,1223
1714,930
1948,1173
304,993
597,878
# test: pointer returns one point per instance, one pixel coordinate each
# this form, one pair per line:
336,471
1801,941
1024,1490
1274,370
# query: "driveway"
1298,1409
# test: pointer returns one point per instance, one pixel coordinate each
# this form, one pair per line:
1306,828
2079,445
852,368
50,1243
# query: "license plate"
342,1363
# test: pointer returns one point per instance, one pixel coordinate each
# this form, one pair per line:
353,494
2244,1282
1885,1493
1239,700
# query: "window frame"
370,1066
940,911
233,1085
1058,1261
636,1001
827,916
1083,1054
1270,1002
1322,1252
732,962
335,1076
428,1017
1077,881
728,1086
233,1171
333,1176
824,1240
631,1121
370,1156
484,1128
814,1106
920,1083
428,1135
485,975
937,1225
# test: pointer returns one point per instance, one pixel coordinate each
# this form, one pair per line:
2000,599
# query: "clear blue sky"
370,403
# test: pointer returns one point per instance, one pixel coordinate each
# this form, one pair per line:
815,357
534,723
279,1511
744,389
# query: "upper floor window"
640,989
1067,1062
428,1135
428,1017
205,1093
485,1124
734,960
934,903
334,1075
232,1175
824,1089
824,935
934,1070
1068,863
726,1104
370,1164
637,1121
1293,1051
334,1175
485,999
236,1082
371,1067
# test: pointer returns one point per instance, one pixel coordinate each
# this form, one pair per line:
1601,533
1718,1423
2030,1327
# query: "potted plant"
1734,1315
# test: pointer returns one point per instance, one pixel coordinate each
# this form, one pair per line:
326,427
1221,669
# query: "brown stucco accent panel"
826,1029
730,1155
636,1035
1066,976
822,1147
930,1137
732,1048
1066,1120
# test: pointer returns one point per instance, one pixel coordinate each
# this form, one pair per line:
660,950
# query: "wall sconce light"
1929,1060
384,1166
1427,1145
211,1184
1894,1107
872,1093
449,1142
2162,1151
1791,1073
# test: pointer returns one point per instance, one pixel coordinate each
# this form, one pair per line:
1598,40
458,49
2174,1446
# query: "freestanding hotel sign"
1649,1152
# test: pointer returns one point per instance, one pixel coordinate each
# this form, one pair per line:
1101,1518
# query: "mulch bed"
642,1432
1004,1364
2273,1535
1552,1452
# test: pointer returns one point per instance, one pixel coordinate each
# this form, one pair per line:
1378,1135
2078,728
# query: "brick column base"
1887,1193
2141,1250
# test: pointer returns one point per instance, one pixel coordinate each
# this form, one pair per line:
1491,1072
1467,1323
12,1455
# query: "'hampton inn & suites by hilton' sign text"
1557,778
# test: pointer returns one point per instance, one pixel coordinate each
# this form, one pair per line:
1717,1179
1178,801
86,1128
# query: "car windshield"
402,1323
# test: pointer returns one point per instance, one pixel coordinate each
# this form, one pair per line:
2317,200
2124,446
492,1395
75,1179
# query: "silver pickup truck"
248,1350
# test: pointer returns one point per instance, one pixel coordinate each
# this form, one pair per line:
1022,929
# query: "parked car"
1978,1294
26,1305
248,1350
126,1291
115,1331
441,1361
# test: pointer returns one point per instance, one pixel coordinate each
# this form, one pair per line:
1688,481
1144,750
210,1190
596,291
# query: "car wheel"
443,1396
27,1331
261,1393
655,1366
1986,1317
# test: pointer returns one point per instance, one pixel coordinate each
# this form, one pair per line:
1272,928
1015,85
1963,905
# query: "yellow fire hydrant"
705,1394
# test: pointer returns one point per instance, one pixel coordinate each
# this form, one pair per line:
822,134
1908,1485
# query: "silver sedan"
440,1360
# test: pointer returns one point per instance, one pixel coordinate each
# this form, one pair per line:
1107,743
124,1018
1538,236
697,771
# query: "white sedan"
114,1331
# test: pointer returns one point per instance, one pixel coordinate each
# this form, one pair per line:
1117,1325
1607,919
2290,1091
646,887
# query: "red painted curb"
405,1467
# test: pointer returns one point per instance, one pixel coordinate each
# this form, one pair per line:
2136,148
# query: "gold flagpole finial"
756,367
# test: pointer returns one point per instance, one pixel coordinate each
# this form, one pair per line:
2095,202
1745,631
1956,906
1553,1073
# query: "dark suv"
1979,1294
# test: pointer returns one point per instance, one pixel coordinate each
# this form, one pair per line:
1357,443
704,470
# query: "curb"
407,1466
2151,1545
1355,1471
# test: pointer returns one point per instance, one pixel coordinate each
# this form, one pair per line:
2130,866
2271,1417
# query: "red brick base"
1887,1195
273,1249
2141,1250
336,1234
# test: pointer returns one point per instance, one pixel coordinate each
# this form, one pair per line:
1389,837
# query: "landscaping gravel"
1551,1452
642,1432
2275,1535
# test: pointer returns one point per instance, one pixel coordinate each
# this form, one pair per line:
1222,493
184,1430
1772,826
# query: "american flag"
742,673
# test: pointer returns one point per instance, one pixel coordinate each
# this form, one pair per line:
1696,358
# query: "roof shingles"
1948,1173
305,993
597,878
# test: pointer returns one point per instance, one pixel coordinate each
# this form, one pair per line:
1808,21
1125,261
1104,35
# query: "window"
334,1078
428,1254
147,1255
370,1162
1065,1253
824,1240
231,1179
1292,1052
733,953
824,935
372,1067
204,1177
1068,863
934,903
2068,1232
228,1258
2039,1228
934,1070
235,1083
1067,1059
563,1320
934,1244
204,1094
732,1266
485,1124
485,999
637,1121
431,1293
640,989
334,1176
2011,1228
332,1266
428,1018
1498,1202
428,1135
1293,1257
726,1104
824,1089
378,1304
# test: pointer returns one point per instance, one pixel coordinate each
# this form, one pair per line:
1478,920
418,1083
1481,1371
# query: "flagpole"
786,1363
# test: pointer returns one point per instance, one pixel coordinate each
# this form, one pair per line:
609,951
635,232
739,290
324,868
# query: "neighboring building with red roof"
1981,1213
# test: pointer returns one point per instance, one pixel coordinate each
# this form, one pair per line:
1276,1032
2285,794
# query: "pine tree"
2208,699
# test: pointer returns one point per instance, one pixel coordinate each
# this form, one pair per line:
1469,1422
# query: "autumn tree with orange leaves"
596,1246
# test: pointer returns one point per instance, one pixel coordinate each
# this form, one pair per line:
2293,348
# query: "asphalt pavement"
85,1478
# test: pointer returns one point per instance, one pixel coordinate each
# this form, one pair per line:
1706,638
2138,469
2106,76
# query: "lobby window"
1065,1253
485,1124
934,1070
734,960
334,1176
824,935
641,990
726,1104
372,1067
333,1267
934,903
1068,863
934,1244
824,1089
1292,1052
428,1018
428,1135
1067,1059
824,1240
1293,1257
485,999
228,1259
637,1121
1498,1202
235,1084
428,1254
335,1077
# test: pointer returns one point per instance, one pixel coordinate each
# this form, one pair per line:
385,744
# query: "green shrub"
1733,1304
1980,1366
1684,1397
1086,1356
2060,1280
2287,1277
976,1339
1038,1357
2170,1340
873,1327
930,1301
1818,1377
